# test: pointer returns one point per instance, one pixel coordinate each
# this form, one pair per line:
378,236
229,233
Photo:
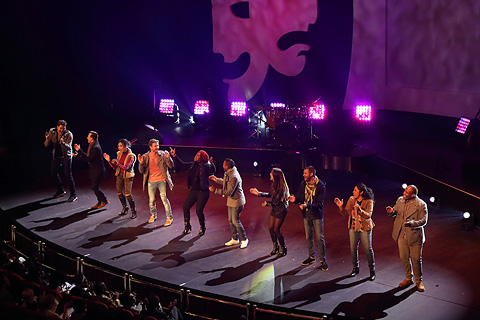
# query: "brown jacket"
365,214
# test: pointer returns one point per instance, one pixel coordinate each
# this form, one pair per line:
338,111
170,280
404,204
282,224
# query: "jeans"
55,168
366,237
317,224
152,190
196,196
411,255
235,225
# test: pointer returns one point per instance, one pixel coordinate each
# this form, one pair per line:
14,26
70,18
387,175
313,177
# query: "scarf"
310,188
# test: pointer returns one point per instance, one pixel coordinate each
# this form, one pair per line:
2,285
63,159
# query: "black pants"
56,168
95,186
200,197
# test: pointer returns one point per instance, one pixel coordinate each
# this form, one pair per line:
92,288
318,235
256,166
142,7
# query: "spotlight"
432,199
462,125
468,223
255,164
201,107
238,108
277,105
316,111
166,106
191,120
404,186
363,113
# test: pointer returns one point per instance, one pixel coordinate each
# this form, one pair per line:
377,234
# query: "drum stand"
312,135
258,116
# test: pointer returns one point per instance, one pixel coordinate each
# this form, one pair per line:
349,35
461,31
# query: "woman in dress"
279,193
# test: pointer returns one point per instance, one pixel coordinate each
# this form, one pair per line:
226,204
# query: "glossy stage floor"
450,259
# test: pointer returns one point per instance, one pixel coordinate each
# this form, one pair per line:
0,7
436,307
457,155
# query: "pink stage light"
238,108
363,112
275,105
462,125
316,111
201,107
166,106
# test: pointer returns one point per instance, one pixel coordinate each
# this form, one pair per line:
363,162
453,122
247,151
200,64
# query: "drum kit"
285,125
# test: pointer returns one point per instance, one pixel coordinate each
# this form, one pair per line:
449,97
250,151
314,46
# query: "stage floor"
203,263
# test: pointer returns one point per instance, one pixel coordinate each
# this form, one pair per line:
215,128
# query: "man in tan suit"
411,216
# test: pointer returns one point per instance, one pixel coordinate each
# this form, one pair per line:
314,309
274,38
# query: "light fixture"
462,125
166,106
363,112
316,111
201,107
238,108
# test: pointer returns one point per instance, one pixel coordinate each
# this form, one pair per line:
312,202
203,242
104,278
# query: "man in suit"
411,216
154,165
232,188
94,157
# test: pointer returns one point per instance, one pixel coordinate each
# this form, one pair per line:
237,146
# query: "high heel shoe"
372,275
124,211
187,229
282,252
202,231
275,249
355,271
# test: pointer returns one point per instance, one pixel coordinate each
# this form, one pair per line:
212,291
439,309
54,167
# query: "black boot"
372,275
132,206
282,252
275,249
355,271
124,204
202,230
187,229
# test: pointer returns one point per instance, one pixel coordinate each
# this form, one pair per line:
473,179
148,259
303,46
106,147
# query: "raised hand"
140,158
291,198
76,146
389,210
338,202
106,157
172,152
254,191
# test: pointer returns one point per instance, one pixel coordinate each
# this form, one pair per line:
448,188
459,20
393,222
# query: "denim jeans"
366,237
152,190
411,255
310,224
235,225
55,168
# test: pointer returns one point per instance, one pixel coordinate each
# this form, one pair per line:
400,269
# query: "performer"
279,193
60,139
411,216
154,165
359,209
124,174
197,181
232,188
96,168
310,196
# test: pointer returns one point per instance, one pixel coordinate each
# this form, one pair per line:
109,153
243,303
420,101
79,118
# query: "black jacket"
314,209
95,160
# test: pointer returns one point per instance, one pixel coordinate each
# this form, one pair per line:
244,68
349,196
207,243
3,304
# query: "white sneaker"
232,242
244,244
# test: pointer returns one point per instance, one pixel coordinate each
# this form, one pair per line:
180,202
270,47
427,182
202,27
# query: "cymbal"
262,107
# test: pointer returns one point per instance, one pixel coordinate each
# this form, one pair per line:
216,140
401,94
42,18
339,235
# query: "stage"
203,263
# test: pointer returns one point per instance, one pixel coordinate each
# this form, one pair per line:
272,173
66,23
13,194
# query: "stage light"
275,105
404,186
363,113
166,106
201,107
255,164
462,125
316,111
238,108
432,199
191,120
468,223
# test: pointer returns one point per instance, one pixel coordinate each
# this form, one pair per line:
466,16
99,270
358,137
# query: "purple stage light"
166,106
316,111
201,107
462,125
363,112
275,105
238,108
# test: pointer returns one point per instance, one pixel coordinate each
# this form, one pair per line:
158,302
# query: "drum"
296,114
286,134
275,117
